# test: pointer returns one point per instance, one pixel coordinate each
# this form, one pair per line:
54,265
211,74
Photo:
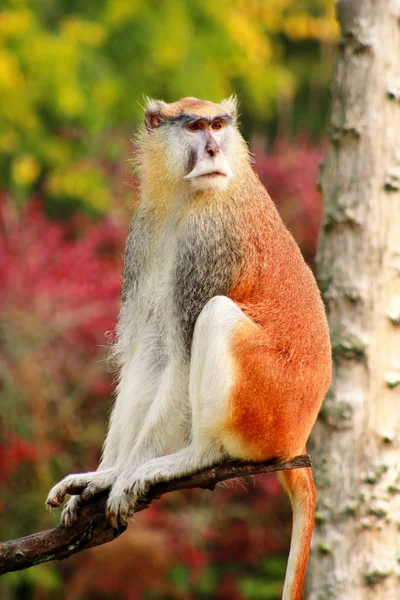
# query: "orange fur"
283,361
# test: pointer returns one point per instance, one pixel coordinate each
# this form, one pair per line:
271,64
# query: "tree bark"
356,546
92,528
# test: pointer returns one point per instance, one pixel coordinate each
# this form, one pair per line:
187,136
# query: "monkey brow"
190,117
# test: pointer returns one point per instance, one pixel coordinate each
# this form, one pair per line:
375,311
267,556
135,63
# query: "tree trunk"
356,546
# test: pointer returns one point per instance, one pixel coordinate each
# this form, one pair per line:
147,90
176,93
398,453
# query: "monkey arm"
92,528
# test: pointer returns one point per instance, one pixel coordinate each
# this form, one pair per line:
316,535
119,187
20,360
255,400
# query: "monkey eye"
217,125
193,127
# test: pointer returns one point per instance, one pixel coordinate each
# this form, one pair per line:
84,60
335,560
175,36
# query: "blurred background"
72,79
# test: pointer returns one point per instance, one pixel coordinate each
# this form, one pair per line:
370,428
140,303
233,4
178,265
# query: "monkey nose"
212,148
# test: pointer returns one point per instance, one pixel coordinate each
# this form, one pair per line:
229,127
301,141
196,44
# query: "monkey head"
192,142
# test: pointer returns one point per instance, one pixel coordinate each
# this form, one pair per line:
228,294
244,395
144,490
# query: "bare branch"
92,528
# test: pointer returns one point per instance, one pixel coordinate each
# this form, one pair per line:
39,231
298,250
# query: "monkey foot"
120,506
123,499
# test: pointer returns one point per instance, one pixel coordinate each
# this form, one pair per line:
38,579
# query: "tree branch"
92,528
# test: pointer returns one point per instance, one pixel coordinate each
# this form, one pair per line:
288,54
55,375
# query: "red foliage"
12,452
60,287
290,174
59,271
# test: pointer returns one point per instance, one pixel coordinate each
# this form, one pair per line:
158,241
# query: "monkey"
222,343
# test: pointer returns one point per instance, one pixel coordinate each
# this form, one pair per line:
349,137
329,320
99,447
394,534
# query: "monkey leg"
139,380
165,426
132,404
257,405
211,378
141,377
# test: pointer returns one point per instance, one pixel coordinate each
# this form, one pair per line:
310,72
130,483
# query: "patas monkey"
223,344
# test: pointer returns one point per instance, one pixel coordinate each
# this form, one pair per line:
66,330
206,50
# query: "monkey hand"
86,484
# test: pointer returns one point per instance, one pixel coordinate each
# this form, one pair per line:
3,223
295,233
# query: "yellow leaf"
25,170
8,141
10,75
118,11
14,23
79,30
70,100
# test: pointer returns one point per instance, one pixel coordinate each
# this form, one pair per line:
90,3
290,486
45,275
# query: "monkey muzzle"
216,166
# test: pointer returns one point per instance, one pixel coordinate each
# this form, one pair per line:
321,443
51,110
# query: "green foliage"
180,578
73,72
45,576
266,583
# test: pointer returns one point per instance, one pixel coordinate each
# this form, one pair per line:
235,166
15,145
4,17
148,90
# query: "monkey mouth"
212,174
208,169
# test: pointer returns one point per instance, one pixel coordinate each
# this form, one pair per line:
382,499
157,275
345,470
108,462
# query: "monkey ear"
153,113
231,106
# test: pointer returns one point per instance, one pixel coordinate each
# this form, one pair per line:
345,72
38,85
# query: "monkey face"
207,164
198,138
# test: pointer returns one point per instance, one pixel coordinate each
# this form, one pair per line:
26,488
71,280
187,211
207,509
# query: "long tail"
300,486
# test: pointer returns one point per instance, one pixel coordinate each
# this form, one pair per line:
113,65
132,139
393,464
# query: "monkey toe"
53,500
72,484
118,510
100,483
91,490
56,495
122,501
70,512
